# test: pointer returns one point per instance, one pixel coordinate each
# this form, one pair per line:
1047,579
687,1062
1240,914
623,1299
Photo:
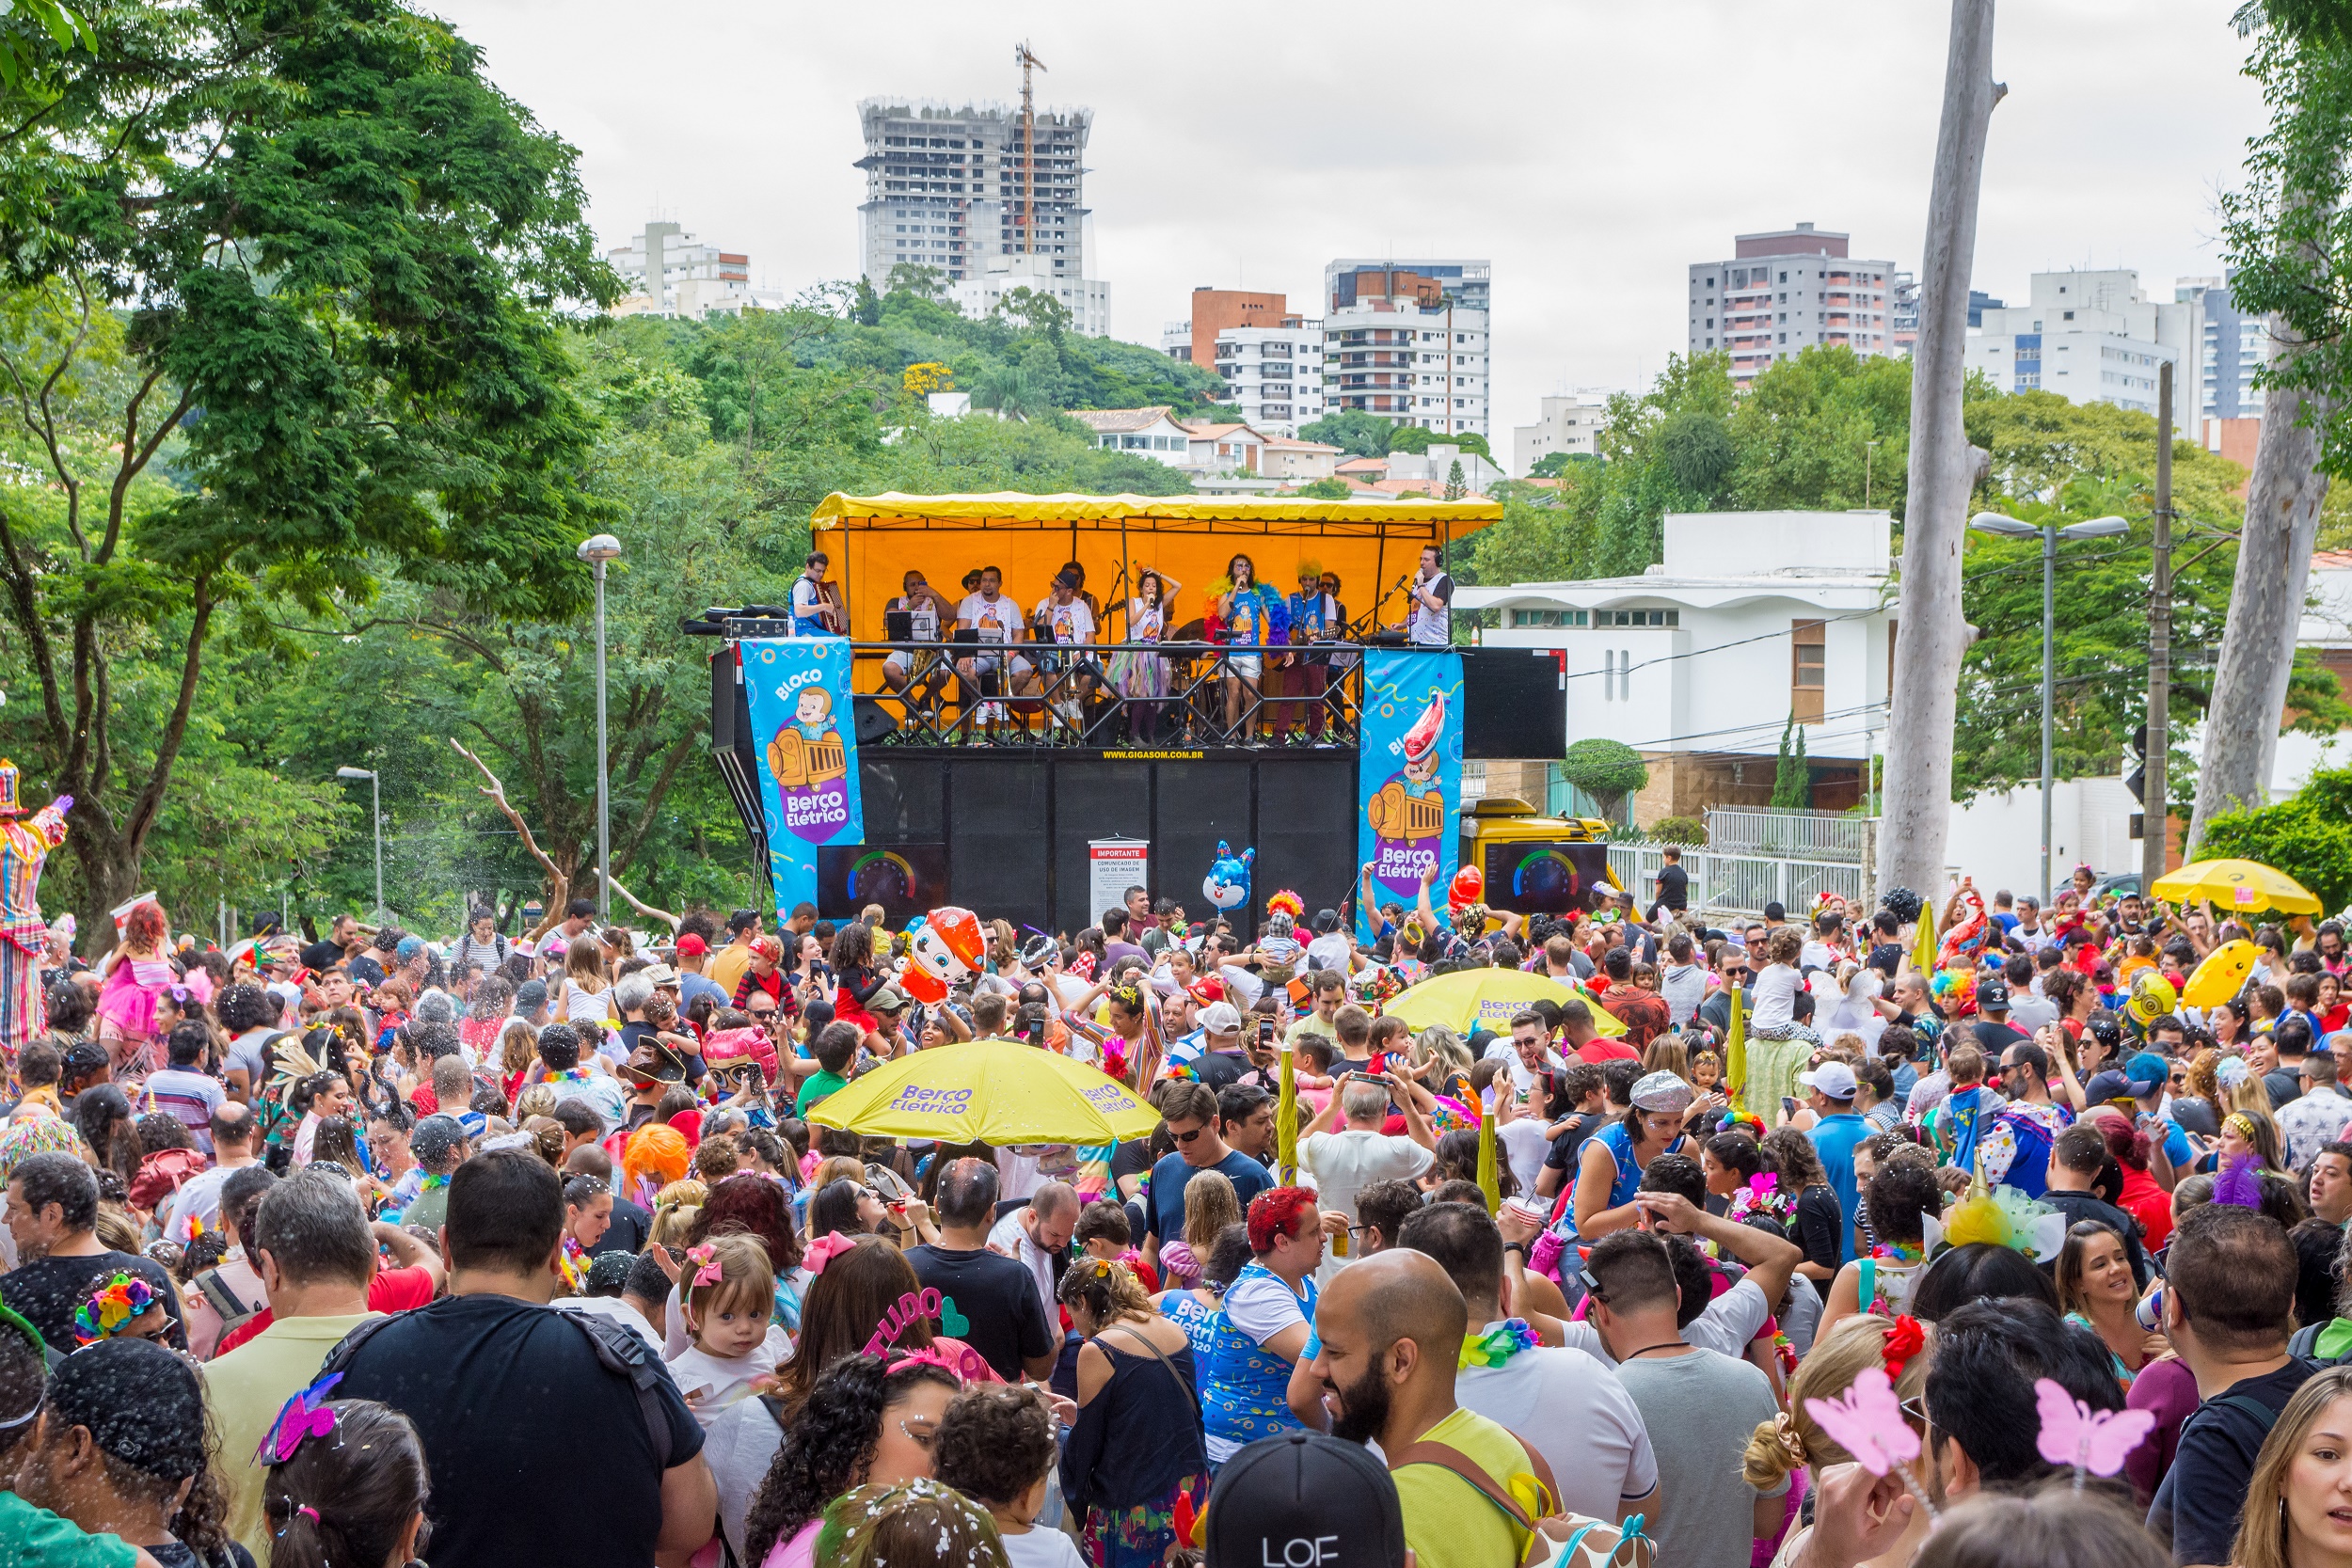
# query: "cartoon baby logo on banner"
799,689
1411,772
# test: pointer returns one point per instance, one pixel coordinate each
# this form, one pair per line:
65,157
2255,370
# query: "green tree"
1455,486
1608,770
1551,465
2307,835
1326,490
352,282
1037,310
1352,430
1793,781
917,279
1412,438
1696,449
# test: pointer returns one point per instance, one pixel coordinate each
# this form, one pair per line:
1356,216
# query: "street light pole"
598,550
375,789
1993,522
2156,819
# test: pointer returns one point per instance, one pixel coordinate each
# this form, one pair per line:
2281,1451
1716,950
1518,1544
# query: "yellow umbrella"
988,1091
2237,885
1469,997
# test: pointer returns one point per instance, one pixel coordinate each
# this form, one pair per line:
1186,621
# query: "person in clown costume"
25,843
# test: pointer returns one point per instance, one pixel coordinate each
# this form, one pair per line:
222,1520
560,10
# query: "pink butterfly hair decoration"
306,1415
1868,1424
2092,1441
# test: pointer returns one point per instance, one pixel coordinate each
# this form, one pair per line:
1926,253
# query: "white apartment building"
1145,431
1088,299
1752,618
696,279
1409,341
1786,291
1273,374
944,187
2091,337
1571,422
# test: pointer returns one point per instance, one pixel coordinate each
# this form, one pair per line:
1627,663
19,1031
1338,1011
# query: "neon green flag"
1488,1181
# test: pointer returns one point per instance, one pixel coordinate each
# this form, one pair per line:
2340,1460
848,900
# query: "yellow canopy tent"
874,540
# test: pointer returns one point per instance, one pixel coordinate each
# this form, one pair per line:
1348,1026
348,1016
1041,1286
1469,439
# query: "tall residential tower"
1784,291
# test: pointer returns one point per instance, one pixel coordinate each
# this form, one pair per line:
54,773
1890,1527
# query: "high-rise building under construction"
945,187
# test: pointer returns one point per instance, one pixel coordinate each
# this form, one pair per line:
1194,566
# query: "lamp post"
2095,527
376,787
596,550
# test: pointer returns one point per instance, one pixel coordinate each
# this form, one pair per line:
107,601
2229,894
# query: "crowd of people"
1888,1235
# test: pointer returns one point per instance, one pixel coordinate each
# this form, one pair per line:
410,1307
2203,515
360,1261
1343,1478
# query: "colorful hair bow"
823,1250
707,1256
1904,1339
306,1415
121,1300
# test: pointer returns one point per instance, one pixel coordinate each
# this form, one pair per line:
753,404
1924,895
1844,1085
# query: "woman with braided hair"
1794,1447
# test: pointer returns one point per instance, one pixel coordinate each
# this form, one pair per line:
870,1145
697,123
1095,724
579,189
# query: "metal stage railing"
1116,695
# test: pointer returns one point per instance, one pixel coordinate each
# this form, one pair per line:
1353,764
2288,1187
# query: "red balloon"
1468,885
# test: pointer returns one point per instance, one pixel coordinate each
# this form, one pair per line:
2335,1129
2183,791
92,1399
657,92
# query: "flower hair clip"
305,1415
1904,1340
121,1300
705,1258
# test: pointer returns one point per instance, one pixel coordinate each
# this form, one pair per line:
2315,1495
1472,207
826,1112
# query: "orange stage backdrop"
874,540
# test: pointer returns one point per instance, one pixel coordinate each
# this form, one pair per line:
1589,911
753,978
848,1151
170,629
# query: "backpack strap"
224,1301
620,1351
2304,1345
1446,1456
2252,1409
617,1350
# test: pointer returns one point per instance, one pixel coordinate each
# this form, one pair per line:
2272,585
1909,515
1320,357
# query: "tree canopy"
1802,438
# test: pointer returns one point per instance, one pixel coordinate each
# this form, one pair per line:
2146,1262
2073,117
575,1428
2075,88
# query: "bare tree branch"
560,886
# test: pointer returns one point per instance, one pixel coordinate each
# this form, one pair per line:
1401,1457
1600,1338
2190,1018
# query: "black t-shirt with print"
487,1380
993,1304
46,1292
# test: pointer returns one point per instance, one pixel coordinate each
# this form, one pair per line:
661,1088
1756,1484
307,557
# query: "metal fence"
1811,835
1739,884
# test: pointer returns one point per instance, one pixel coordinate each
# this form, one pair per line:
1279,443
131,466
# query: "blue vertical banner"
799,690
1408,775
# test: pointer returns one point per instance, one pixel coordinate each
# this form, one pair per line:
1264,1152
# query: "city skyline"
1592,218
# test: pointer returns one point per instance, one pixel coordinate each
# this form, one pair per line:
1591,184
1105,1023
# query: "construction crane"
1028,146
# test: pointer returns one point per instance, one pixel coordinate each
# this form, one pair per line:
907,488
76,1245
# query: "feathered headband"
2005,1217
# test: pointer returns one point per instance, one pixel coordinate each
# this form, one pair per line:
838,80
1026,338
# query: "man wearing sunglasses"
1190,1112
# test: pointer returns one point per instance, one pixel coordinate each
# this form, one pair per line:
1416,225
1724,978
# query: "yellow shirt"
245,1389
726,966
1451,1524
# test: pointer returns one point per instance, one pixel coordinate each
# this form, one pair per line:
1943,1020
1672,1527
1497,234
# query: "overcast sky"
1590,151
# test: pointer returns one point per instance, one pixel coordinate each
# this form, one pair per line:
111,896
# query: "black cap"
1992,993
1303,1498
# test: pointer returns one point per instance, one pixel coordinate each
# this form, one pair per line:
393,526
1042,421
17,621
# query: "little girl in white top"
728,1290
1776,984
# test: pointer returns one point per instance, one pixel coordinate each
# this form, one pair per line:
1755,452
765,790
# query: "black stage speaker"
1513,703
998,820
874,721
1306,828
732,748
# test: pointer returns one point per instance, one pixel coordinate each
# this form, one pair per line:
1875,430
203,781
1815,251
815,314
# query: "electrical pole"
2155,797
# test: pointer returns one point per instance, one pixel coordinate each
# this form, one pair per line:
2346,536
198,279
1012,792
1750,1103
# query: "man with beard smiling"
1390,1330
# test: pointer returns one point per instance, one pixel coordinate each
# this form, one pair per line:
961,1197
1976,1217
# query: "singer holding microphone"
1429,618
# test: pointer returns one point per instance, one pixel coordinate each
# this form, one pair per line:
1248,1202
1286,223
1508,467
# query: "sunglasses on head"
1592,1286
